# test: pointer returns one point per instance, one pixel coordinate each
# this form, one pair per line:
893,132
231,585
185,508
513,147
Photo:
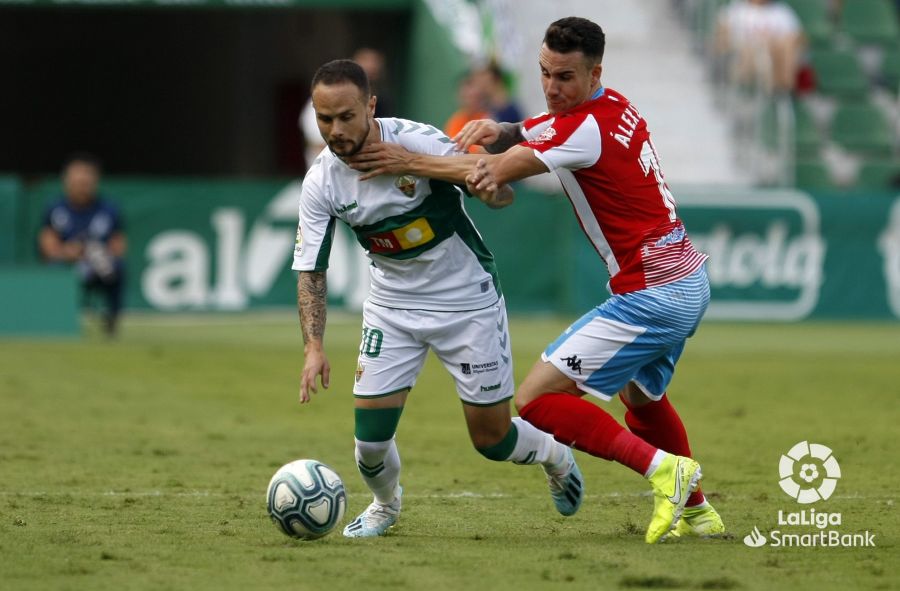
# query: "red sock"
588,428
658,424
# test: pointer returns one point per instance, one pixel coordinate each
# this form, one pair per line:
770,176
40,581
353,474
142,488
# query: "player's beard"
355,146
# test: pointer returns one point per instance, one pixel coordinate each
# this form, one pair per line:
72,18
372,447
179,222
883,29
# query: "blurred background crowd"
200,115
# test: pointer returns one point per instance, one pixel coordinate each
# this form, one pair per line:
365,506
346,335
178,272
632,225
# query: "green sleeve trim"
325,248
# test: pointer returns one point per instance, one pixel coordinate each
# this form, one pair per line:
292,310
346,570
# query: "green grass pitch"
142,464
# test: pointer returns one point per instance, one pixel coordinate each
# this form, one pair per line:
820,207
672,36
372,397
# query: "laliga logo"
813,459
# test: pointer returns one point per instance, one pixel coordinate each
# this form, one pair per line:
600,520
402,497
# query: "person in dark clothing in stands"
83,229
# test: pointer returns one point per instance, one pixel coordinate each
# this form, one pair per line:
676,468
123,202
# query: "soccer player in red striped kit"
598,144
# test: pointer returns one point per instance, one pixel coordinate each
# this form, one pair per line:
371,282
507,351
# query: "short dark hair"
340,71
83,158
576,34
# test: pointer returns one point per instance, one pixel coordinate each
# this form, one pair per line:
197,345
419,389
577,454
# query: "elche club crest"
406,184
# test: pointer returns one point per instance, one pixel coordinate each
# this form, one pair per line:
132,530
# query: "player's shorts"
636,336
473,345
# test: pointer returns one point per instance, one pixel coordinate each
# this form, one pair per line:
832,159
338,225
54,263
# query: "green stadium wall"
212,245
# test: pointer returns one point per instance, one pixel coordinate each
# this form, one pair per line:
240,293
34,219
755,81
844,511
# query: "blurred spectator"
372,62
763,41
472,101
500,105
81,228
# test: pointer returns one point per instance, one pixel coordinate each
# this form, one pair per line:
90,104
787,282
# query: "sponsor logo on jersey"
466,368
490,388
413,234
406,184
546,135
347,207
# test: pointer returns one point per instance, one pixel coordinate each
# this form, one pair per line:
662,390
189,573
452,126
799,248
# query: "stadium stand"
840,128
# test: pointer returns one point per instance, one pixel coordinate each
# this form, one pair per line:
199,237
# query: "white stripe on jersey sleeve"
580,150
536,130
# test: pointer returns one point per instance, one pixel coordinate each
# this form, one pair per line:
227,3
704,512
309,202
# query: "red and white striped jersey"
602,153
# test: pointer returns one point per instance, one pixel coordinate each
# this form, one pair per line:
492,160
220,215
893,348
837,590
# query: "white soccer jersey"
426,253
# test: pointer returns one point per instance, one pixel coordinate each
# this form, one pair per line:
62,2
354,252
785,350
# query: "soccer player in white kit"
434,285
598,144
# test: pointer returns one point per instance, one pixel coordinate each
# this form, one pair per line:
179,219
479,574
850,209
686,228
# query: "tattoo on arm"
509,137
311,290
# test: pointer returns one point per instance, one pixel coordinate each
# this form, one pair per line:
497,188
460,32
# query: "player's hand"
481,184
316,365
480,132
380,158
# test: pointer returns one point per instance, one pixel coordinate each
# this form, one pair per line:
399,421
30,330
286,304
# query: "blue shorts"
636,336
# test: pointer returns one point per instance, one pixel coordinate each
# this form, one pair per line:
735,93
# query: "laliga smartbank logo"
809,473
812,460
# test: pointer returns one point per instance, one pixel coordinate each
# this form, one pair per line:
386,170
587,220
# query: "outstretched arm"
311,291
495,137
515,164
389,158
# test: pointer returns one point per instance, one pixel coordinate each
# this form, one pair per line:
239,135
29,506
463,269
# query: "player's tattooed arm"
311,292
510,135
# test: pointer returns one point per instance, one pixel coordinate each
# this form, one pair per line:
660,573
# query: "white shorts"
473,345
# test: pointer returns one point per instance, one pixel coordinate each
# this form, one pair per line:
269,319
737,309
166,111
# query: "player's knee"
633,396
496,445
523,397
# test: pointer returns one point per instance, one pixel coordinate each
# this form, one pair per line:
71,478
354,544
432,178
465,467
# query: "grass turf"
142,464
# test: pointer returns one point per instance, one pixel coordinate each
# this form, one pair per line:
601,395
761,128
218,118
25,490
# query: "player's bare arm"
311,305
379,158
510,135
495,137
515,164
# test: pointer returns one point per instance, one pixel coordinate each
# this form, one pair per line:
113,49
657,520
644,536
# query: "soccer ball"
306,499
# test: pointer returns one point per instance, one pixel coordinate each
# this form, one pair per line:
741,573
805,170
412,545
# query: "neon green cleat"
702,520
673,481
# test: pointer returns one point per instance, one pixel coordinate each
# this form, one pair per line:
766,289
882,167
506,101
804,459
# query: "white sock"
658,458
379,466
533,446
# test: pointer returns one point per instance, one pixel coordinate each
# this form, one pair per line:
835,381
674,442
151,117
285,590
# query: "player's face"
343,115
567,78
80,182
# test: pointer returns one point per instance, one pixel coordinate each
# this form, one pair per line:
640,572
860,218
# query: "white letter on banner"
177,271
229,226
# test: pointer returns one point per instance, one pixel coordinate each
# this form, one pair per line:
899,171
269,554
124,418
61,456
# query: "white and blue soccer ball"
306,499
